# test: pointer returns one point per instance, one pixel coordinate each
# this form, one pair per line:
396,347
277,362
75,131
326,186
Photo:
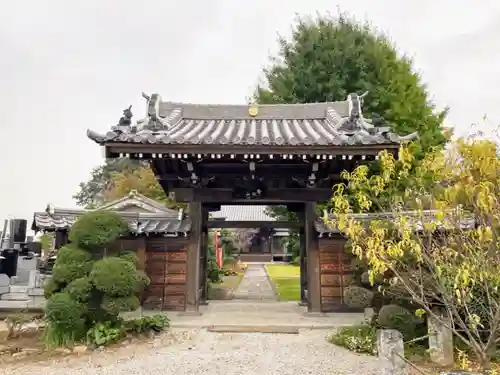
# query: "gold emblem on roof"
253,111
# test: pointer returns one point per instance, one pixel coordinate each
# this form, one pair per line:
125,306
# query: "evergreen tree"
329,57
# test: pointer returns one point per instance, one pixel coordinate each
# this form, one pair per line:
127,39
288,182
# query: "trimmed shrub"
71,263
85,295
65,322
97,229
129,256
401,319
115,277
357,297
115,305
80,289
388,312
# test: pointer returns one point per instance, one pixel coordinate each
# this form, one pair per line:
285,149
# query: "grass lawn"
286,278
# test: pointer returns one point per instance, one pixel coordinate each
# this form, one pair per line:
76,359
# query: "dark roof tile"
337,123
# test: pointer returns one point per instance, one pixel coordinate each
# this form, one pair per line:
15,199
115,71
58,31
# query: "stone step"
14,297
253,329
14,305
19,289
258,307
35,292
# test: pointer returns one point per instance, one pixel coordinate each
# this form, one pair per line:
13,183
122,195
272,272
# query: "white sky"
66,66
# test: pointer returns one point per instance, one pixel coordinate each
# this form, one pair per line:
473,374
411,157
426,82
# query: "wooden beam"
114,148
273,196
252,224
193,258
303,258
313,264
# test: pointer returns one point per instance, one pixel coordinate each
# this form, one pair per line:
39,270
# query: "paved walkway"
255,285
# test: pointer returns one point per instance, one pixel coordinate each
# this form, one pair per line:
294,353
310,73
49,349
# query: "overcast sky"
66,66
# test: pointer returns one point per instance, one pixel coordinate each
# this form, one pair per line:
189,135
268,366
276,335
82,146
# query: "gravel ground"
201,352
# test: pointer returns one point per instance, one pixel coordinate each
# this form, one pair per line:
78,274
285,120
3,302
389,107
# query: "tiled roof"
135,199
242,213
138,222
335,123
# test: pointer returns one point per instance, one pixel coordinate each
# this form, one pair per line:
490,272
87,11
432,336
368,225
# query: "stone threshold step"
245,327
253,329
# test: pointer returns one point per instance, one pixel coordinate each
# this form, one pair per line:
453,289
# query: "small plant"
15,323
401,319
106,333
359,339
155,323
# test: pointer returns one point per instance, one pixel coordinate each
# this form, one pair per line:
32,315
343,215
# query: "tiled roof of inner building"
321,124
138,223
242,213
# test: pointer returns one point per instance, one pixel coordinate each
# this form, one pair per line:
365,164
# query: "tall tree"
142,180
329,57
92,193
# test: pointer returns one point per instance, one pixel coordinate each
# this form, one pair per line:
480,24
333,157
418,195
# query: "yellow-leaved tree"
142,180
436,236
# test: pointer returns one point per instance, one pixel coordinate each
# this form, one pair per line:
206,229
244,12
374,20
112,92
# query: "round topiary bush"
115,305
71,264
95,230
357,297
390,314
115,277
130,257
401,319
80,289
50,287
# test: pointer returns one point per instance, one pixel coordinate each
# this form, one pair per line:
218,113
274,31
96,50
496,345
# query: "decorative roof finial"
126,119
153,121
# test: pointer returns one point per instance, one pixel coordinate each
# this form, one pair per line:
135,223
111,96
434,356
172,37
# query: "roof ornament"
355,120
125,121
152,121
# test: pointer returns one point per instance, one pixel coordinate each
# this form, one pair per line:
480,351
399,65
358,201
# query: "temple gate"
287,154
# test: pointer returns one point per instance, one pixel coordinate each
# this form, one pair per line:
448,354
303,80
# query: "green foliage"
87,296
64,318
105,333
97,229
92,192
296,261
357,297
71,263
129,256
329,57
359,339
402,320
46,240
80,289
153,323
115,277
386,314
50,287
115,305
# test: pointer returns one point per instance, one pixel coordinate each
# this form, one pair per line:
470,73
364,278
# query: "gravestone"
391,352
440,339
4,283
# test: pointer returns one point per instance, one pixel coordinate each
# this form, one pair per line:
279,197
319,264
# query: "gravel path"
201,352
